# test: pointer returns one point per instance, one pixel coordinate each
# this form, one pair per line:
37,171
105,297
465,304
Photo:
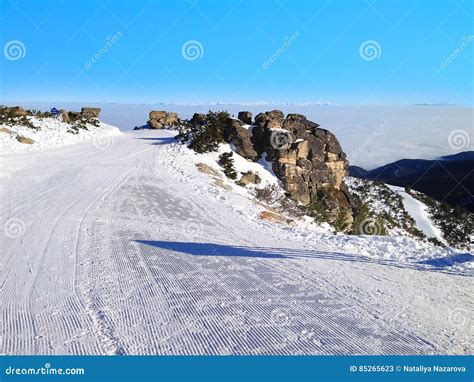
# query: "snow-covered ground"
52,133
127,248
419,212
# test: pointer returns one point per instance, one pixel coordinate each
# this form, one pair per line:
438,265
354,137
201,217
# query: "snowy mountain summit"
23,131
218,235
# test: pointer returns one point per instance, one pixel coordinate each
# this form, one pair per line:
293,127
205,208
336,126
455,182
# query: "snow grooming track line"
406,341
110,341
38,270
345,322
180,293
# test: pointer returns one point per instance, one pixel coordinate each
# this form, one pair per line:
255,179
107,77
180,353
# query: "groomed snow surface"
127,248
53,133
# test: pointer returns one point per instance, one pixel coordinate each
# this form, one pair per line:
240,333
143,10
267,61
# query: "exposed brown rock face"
90,112
16,111
307,159
73,115
198,119
241,138
25,140
249,178
64,115
245,117
162,119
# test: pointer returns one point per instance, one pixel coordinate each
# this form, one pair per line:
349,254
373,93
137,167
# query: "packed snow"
128,248
52,133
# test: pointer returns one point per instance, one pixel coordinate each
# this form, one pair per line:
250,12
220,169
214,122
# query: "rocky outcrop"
72,116
25,140
308,160
198,119
162,119
90,112
247,178
245,117
64,116
241,137
16,111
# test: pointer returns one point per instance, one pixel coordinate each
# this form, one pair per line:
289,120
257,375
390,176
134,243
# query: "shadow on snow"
211,249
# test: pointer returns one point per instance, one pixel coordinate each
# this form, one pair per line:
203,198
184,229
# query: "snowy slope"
129,249
52,133
419,212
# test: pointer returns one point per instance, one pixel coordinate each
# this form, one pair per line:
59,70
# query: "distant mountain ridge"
447,179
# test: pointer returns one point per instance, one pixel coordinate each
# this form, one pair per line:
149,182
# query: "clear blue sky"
323,58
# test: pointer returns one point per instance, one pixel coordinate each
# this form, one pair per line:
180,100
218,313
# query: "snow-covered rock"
52,132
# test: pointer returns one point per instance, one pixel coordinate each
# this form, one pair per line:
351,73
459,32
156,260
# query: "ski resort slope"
419,212
127,249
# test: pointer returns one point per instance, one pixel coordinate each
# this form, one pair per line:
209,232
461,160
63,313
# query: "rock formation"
16,111
162,119
245,117
308,160
90,112
241,137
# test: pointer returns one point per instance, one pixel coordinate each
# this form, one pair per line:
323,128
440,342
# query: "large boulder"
198,119
241,138
17,111
245,117
73,116
90,112
162,119
64,116
25,140
249,177
270,119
